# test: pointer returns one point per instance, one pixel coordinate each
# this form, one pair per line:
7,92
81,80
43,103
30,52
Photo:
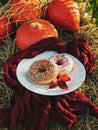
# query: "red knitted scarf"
36,110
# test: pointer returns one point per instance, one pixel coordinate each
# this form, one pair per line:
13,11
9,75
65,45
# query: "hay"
89,87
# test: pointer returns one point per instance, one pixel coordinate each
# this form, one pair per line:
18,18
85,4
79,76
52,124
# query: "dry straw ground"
89,87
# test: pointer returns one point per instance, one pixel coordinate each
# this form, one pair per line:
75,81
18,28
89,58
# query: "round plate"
77,76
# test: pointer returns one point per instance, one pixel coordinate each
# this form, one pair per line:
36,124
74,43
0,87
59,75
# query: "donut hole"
59,62
42,70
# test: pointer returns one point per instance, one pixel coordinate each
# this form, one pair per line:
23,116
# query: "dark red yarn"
36,110
79,48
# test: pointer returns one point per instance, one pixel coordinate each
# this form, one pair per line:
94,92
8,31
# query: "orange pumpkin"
33,31
5,28
64,14
23,10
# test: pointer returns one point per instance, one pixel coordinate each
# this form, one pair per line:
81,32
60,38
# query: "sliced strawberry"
62,84
53,84
64,78
63,87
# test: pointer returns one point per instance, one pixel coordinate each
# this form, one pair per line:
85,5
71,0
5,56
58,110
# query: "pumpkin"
23,10
64,14
5,28
33,31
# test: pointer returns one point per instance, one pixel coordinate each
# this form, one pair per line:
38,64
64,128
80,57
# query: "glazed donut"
43,71
64,63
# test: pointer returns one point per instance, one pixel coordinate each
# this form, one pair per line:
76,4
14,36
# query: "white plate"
77,76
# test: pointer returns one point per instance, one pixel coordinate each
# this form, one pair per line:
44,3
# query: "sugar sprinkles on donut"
43,71
64,62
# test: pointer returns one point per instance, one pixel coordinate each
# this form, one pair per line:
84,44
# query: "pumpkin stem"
34,25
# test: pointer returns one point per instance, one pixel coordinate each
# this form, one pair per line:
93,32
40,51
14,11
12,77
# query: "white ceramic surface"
77,76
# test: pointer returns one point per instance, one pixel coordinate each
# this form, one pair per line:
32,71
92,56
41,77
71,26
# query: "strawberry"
64,78
60,82
53,84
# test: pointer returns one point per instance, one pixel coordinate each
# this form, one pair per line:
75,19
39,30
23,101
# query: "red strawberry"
5,28
62,84
53,84
64,78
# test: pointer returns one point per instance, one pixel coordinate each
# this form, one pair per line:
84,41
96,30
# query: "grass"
91,10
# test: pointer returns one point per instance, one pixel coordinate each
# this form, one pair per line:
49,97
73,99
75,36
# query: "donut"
43,71
64,62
